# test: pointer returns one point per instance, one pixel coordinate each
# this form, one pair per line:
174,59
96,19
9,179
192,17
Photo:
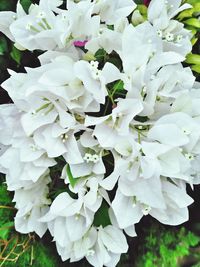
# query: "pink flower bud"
80,43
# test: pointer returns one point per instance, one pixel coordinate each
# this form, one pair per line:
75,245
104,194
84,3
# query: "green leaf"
101,217
110,27
3,45
118,86
16,55
5,229
196,68
193,59
192,239
5,197
194,41
191,2
72,180
115,61
192,22
100,55
186,14
192,29
26,4
196,7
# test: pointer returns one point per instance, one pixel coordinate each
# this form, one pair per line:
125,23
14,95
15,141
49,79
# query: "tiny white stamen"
64,137
88,157
95,158
189,156
94,70
169,37
146,210
160,34
94,64
186,131
179,38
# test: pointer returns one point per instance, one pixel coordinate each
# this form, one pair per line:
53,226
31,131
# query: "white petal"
110,73
114,239
76,227
168,134
126,213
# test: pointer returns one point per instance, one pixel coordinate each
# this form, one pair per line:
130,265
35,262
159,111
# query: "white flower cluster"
128,134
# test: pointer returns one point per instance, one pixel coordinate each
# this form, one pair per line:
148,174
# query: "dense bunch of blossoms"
106,130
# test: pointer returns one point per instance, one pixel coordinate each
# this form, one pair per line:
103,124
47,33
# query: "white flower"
111,128
82,20
107,39
111,11
33,31
29,222
109,245
57,141
95,80
91,158
184,128
19,173
176,212
33,195
89,191
80,248
66,213
175,37
165,10
9,126
126,211
110,118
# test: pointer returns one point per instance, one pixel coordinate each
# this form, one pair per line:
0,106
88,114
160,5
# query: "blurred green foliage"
171,247
191,19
